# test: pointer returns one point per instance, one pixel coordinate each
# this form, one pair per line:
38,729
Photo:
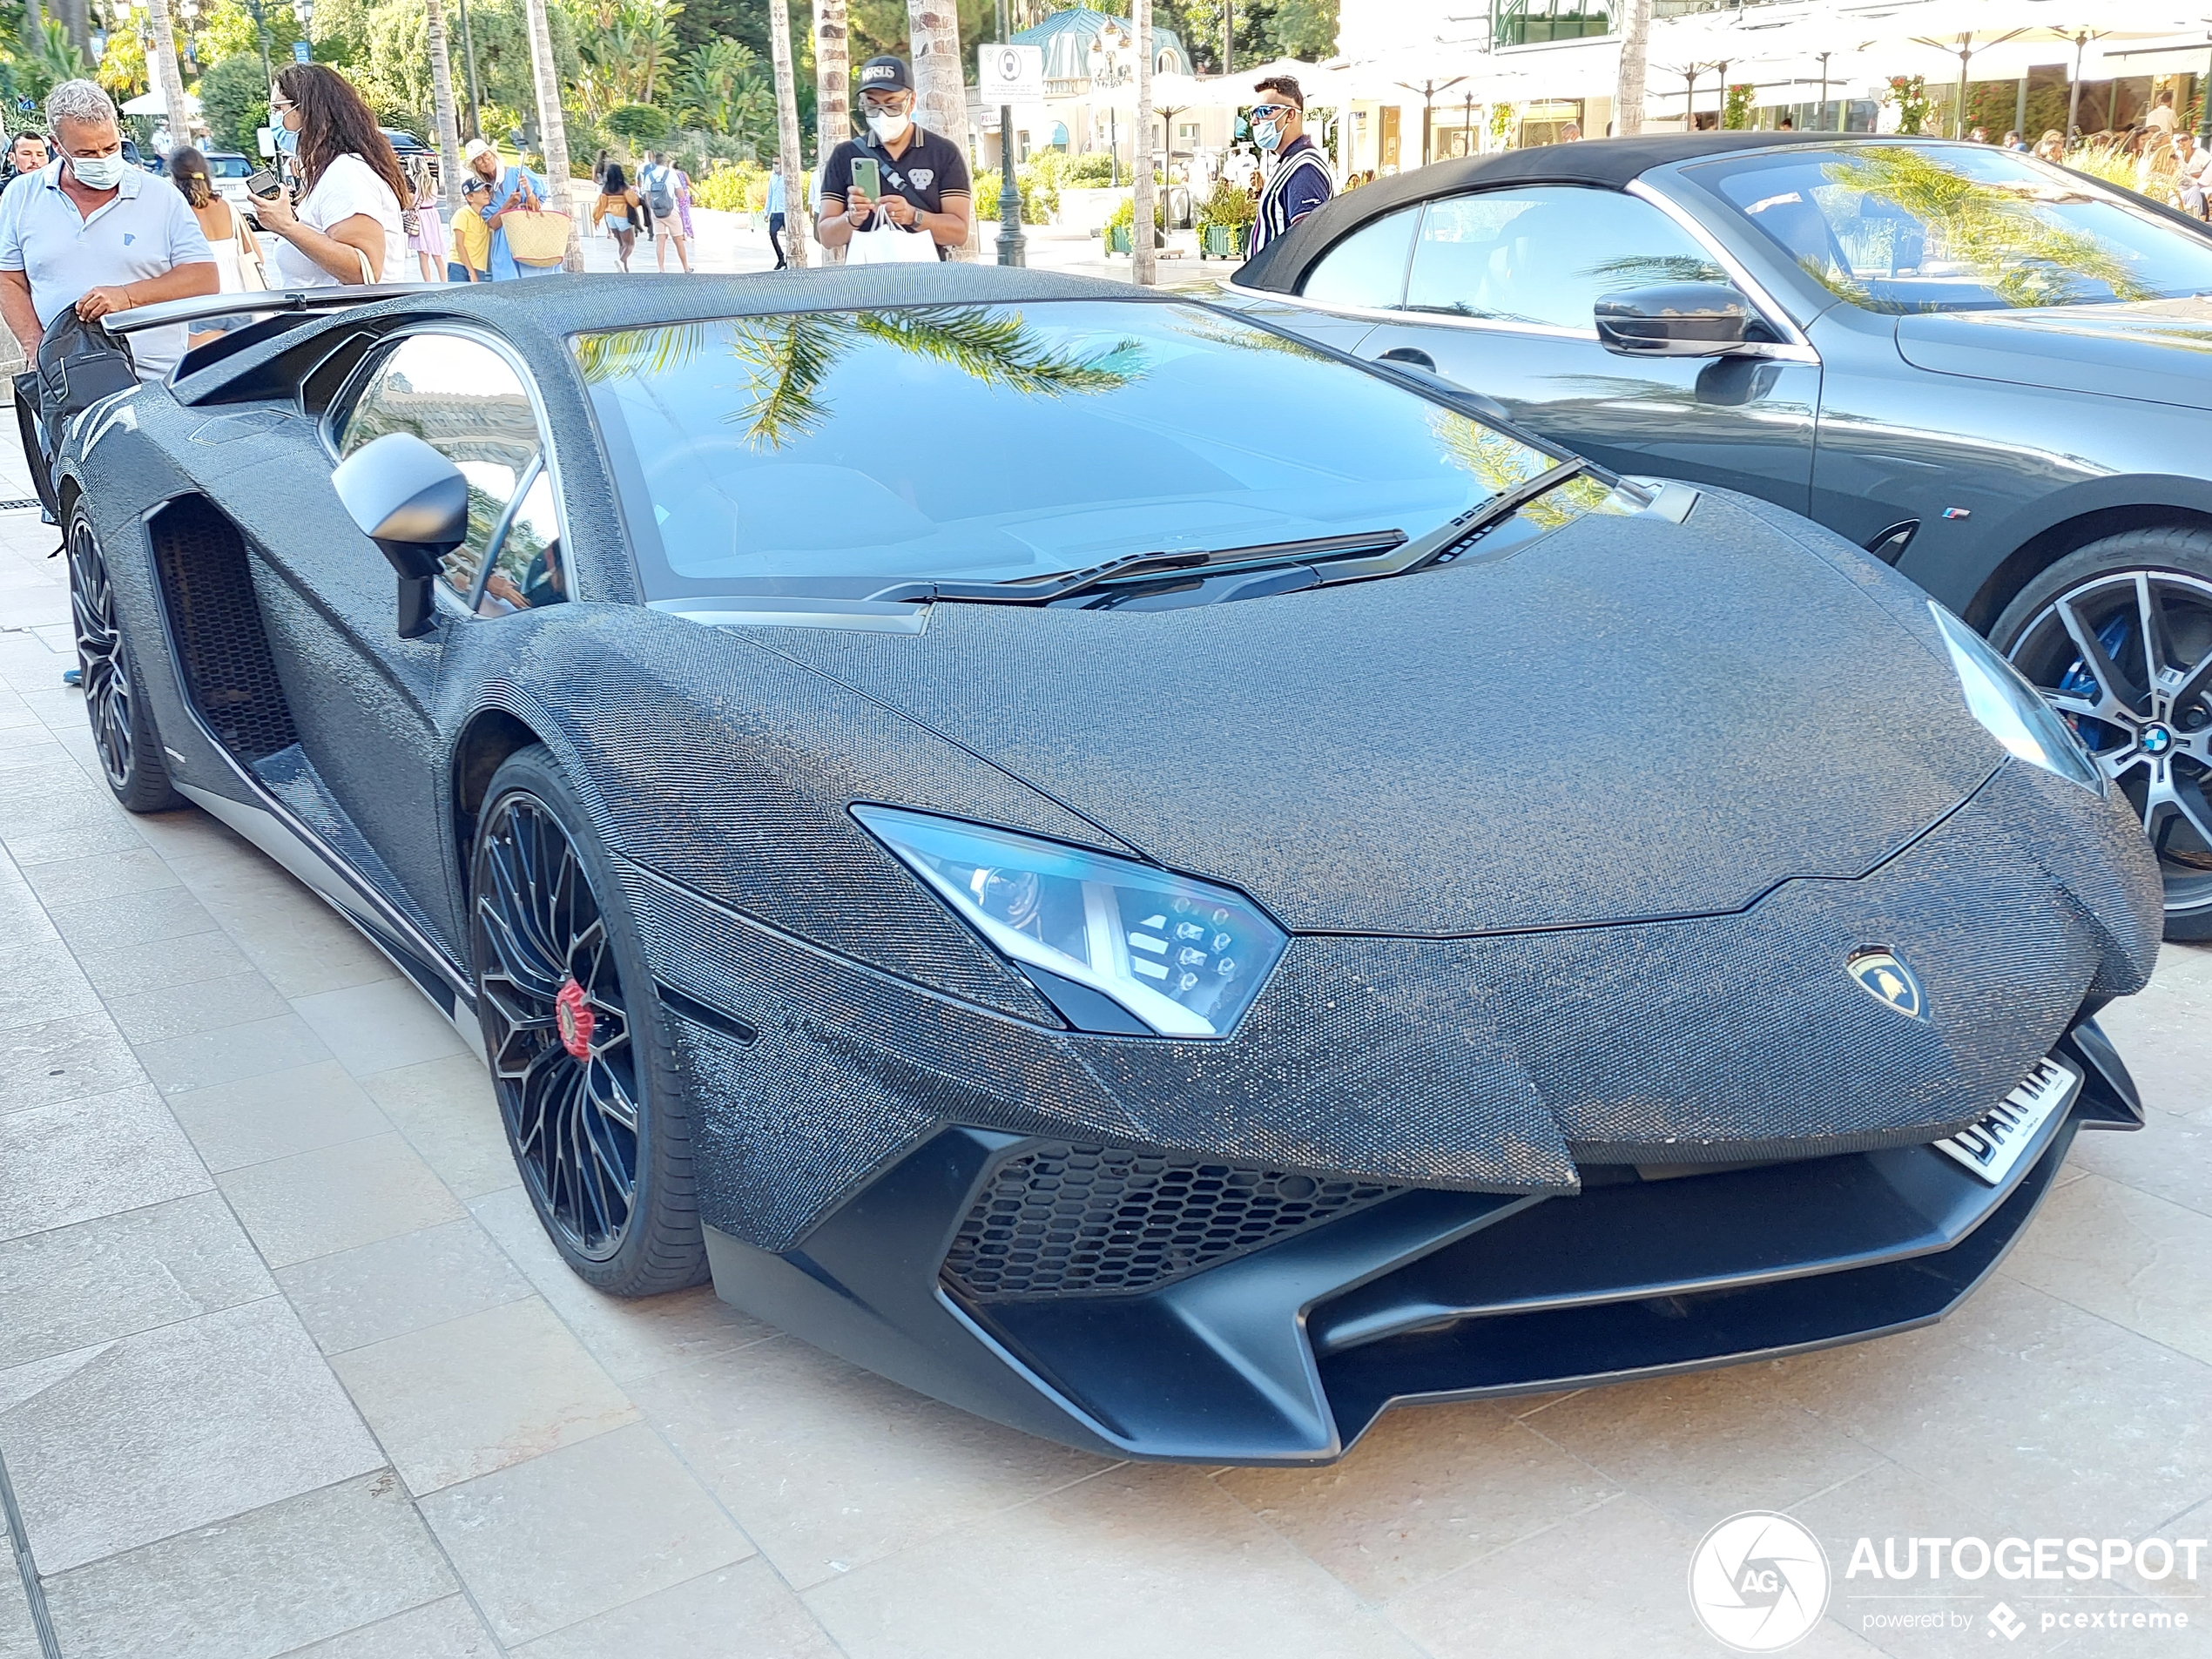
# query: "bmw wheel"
123,728
2119,637
586,1087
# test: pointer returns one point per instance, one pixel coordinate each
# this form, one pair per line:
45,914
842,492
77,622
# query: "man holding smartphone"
916,179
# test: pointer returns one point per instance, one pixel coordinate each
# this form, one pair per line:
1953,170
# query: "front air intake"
1061,1219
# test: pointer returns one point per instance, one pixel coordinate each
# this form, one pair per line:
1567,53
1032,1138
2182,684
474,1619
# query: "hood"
2156,351
1626,720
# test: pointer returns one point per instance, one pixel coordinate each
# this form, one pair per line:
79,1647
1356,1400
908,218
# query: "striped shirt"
1300,184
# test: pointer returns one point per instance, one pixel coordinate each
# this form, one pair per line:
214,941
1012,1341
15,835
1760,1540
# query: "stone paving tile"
1614,1572
202,1005
303,947
99,1156
117,1445
156,964
447,1112
633,1339
68,1059
18,1635
2125,1256
74,1286
104,875
477,1394
445,1629
108,834
2172,1159
231,1052
1424,1492
1139,1559
580,1530
259,1584
396,1286
257,1119
379,1026
337,1197
95,925
826,1466
742,1609
40,982
2078,1393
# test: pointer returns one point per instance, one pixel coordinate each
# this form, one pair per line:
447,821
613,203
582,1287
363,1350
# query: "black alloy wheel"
123,727
586,1088
2118,637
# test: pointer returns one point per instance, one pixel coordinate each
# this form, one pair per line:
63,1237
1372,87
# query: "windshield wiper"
1037,590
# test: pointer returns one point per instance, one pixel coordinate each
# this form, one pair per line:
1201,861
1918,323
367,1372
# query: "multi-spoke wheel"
123,728
592,1109
2119,637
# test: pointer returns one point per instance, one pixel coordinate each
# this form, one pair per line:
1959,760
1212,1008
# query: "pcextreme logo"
1759,1581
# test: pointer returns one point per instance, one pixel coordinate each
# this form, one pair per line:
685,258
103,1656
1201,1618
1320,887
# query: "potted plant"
1123,221
1224,223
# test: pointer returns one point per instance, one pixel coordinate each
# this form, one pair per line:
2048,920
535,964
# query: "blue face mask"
1266,134
288,141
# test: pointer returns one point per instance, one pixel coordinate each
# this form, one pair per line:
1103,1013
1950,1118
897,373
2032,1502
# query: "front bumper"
1357,1296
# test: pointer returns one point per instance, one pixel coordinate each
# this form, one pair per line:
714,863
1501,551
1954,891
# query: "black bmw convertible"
1128,871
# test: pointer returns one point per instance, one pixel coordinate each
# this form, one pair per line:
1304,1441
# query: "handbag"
539,237
884,243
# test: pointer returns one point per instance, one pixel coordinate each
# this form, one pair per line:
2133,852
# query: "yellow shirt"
472,239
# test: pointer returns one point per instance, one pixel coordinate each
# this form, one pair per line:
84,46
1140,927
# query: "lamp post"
469,55
261,23
1106,68
305,11
1013,245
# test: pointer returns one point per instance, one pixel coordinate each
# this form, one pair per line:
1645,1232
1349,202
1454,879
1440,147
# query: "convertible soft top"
1281,267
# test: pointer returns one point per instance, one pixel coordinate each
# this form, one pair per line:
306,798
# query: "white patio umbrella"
153,103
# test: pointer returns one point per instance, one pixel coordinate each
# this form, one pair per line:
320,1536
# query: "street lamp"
305,11
1108,47
261,23
1013,246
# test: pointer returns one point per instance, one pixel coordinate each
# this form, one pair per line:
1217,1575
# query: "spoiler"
267,302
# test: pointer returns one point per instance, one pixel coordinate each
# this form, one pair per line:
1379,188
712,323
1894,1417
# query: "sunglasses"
1269,111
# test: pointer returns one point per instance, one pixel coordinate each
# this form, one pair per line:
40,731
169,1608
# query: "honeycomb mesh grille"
220,648
1071,1220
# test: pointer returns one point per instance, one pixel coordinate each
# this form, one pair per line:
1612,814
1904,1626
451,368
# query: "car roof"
1280,267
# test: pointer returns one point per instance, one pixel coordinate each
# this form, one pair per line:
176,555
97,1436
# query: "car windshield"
229,166
834,453
1896,227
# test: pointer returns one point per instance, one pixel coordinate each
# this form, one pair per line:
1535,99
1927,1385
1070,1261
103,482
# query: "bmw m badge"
1886,978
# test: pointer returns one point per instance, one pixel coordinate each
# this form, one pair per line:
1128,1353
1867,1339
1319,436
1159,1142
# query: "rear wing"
204,307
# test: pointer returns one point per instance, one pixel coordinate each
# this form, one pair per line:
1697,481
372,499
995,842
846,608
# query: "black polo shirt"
932,165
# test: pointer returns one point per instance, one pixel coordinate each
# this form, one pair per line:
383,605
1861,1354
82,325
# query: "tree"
230,32
552,131
940,88
448,127
719,87
832,79
122,69
793,165
234,102
167,76
1303,29
1140,241
1634,18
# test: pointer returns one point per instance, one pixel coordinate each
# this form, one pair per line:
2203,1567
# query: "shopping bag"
536,239
883,243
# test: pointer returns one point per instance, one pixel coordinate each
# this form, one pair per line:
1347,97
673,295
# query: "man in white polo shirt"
94,232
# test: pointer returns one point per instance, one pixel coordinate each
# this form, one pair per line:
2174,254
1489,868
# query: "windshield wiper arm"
1447,539
1035,590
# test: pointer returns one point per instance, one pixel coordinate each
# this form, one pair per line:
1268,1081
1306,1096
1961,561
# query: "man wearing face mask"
93,232
1300,182
924,175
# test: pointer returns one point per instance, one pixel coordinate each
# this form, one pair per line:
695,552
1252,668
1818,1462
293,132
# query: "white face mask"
886,125
99,172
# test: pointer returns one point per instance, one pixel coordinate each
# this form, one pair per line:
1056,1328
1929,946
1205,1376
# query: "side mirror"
414,504
1677,320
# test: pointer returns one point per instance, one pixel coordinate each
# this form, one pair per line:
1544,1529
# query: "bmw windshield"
1903,227
837,454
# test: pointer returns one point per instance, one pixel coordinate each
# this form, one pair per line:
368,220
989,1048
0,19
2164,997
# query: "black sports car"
1136,875
1987,370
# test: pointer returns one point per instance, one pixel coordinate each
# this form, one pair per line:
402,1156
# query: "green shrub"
734,188
1124,214
1040,201
1228,207
1064,172
234,101
639,123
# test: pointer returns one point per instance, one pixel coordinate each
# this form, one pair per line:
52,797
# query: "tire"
2149,723
123,727
580,1060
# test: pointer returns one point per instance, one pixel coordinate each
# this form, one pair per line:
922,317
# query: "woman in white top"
230,238
346,227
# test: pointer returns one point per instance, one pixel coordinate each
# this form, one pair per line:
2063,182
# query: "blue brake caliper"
2078,681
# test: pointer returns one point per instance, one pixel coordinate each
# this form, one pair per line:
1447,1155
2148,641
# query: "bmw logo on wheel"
2156,740
1884,976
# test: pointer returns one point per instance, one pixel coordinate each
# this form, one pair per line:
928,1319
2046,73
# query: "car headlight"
2013,710
1183,958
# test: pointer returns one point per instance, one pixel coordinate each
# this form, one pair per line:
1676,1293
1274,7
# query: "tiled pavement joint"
19,1542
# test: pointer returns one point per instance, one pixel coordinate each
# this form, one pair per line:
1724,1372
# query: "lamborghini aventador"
1129,872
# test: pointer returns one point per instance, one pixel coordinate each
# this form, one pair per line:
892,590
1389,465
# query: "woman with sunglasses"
1300,182
347,227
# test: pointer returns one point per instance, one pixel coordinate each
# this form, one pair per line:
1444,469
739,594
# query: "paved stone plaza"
286,1365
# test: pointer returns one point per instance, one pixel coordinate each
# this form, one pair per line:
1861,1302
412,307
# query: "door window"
1544,255
1368,267
466,401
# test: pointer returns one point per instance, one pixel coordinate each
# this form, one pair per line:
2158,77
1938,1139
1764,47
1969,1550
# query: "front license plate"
1992,1147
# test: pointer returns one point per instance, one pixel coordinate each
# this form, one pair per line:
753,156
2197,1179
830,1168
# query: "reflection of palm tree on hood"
791,356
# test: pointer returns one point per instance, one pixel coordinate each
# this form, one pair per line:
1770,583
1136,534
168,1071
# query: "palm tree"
1141,271
1635,19
940,90
798,199
832,77
166,73
442,102
553,133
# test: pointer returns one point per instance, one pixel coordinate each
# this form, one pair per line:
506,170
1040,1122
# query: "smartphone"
264,184
867,177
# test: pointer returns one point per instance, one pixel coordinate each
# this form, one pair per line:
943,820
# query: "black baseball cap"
886,74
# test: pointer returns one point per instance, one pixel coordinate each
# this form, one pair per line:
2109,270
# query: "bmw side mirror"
414,504
1676,319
